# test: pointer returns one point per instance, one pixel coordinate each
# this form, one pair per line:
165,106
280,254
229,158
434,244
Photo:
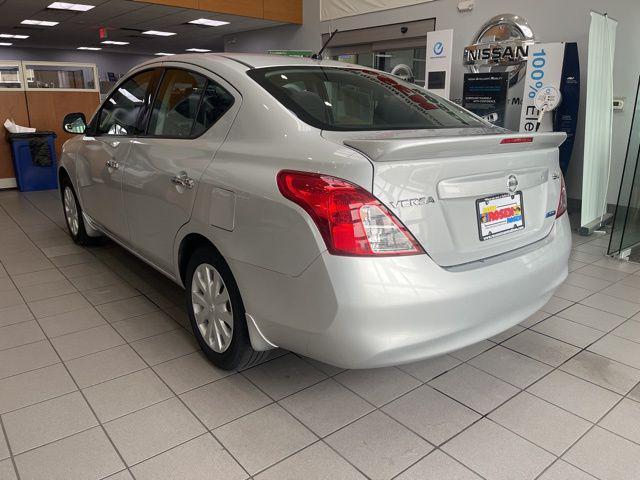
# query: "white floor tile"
438,466
606,455
85,455
47,421
379,446
541,422
498,454
263,438
155,429
197,459
379,385
578,396
474,388
316,462
431,414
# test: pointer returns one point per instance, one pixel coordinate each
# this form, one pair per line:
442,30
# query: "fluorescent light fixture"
89,48
199,50
5,44
114,42
76,7
9,35
208,23
163,54
41,23
158,33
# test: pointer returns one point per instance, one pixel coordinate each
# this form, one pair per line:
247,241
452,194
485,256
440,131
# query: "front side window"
349,99
121,112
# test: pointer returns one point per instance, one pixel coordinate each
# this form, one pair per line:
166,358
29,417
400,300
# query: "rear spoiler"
424,148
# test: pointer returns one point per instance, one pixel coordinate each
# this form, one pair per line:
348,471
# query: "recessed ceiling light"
199,50
208,23
5,44
163,54
89,48
9,35
42,23
114,42
158,33
76,7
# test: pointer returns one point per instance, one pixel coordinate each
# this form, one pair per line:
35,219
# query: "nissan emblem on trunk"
512,183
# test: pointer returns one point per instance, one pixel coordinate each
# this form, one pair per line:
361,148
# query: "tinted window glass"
120,113
215,102
354,99
176,105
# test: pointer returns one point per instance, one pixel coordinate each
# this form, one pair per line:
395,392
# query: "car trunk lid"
440,183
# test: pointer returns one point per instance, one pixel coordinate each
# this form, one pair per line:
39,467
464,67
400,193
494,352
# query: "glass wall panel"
10,76
73,77
626,223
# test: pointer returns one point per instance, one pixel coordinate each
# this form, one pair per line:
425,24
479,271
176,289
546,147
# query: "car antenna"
318,56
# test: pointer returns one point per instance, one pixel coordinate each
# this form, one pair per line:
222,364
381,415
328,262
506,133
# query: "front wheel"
216,311
73,214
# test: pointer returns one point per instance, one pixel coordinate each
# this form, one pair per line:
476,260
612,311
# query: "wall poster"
485,94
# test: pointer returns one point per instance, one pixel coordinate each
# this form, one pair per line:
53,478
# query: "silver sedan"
329,209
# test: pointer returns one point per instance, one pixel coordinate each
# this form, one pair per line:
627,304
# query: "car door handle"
183,179
111,163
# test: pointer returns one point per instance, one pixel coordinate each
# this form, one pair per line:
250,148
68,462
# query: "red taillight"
562,203
350,219
517,140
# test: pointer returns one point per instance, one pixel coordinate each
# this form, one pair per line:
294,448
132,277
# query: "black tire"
239,354
80,237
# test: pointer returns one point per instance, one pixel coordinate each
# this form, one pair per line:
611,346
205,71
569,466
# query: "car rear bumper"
374,312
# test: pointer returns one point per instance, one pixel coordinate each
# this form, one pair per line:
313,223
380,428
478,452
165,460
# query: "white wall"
551,20
118,63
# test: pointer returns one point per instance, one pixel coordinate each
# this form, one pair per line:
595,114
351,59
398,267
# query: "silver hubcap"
71,211
212,307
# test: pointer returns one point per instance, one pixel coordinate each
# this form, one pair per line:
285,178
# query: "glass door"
407,63
625,232
364,59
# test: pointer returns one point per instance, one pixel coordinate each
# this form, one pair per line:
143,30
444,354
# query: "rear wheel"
216,311
73,214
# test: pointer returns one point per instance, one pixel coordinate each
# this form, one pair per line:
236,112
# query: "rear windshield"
346,99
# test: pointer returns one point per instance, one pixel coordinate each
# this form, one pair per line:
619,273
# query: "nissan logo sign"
512,184
503,54
501,44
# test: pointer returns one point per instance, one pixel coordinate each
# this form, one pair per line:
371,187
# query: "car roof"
257,60
246,60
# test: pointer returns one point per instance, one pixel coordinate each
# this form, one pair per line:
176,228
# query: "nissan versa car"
329,209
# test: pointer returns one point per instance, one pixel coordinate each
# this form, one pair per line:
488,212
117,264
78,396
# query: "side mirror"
74,122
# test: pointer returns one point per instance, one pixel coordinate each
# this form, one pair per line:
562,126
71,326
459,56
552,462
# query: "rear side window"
334,98
121,112
186,105
215,102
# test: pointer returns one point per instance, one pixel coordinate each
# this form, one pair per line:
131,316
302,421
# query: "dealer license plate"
500,215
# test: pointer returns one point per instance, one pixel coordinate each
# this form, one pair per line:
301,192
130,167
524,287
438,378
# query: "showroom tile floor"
100,379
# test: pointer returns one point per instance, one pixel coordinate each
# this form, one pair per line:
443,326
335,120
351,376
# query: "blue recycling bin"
34,160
